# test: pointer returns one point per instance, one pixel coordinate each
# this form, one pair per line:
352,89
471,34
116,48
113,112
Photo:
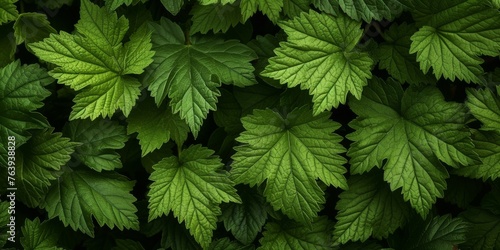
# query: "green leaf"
176,236
114,4
39,236
21,92
485,106
8,11
289,152
292,235
208,2
98,140
496,3
192,187
32,27
173,6
441,232
369,10
331,68
8,45
227,244
245,220
4,220
156,126
454,36
82,194
215,17
367,245
127,244
484,230
38,162
328,6
411,131
189,72
368,208
487,146
271,9
94,61
264,48
293,8
394,56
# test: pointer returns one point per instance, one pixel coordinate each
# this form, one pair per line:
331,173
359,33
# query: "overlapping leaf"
38,162
367,209
156,125
290,152
369,10
215,17
21,92
95,61
192,187
411,130
487,146
485,106
98,139
320,55
82,194
290,235
39,236
189,71
271,9
8,11
394,55
453,37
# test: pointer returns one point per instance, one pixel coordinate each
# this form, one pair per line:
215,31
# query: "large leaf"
407,133
320,55
192,187
189,71
290,235
368,208
95,61
98,140
82,194
289,152
454,35
38,162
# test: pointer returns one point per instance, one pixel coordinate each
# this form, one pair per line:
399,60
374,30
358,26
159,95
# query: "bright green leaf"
245,220
454,36
189,72
95,61
8,11
32,27
485,106
38,162
98,140
289,152
487,146
320,55
367,209
215,17
39,236
394,55
82,194
156,125
271,9
21,92
412,130
369,10
192,187
290,235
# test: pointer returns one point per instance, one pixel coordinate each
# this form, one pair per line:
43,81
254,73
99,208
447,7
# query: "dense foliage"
250,124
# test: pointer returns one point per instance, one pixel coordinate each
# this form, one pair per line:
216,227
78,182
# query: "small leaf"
173,6
8,11
271,9
215,17
369,10
39,236
485,106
